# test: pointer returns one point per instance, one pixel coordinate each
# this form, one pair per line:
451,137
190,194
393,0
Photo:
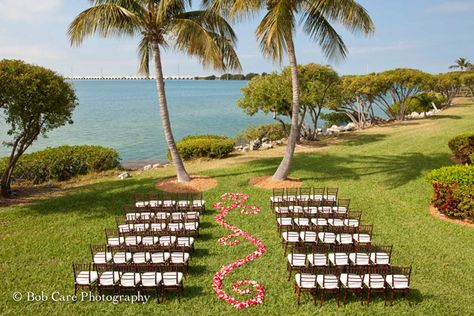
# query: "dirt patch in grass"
434,211
266,182
198,183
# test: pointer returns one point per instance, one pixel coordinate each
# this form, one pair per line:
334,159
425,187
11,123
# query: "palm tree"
276,32
462,64
159,24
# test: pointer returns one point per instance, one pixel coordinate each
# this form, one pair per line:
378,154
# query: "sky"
423,34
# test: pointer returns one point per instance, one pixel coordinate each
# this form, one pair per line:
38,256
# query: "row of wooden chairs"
325,280
340,208
152,217
125,279
170,201
304,196
352,219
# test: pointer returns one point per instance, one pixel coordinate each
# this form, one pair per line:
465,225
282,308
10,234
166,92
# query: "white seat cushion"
291,236
359,258
160,257
362,238
142,204
351,281
327,238
150,240
141,226
133,240
158,226
302,221
339,258
125,228
162,215
339,209
344,239
129,279
177,216
141,257
284,221
102,257
154,203
328,281
191,226
319,221
399,281
175,226
185,241
304,197
336,222
376,281
167,240
199,203
179,257
151,279
351,222
122,257
309,236
146,215
317,197
311,210
168,203
296,209
380,258
318,259
281,209
184,203
192,216
115,241
109,278
297,259
172,278
132,216
306,281
325,209
276,198
84,276
330,197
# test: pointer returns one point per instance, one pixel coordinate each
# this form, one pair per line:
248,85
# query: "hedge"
63,163
273,132
204,146
462,147
454,190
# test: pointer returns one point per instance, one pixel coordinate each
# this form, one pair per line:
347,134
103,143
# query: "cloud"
35,54
27,10
453,7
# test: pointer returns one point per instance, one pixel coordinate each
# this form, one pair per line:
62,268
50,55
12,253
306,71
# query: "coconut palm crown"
161,24
277,29
461,64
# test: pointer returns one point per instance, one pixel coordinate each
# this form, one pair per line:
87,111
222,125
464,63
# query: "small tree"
33,101
468,82
448,84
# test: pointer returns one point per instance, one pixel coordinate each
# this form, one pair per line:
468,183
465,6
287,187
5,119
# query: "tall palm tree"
276,32
159,24
462,64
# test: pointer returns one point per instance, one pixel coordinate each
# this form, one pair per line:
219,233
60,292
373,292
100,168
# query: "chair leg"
361,296
299,294
289,274
368,297
337,298
391,297
408,297
321,298
385,298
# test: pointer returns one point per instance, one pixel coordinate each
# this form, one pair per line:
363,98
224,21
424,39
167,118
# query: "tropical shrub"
271,131
453,190
209,146
63,163
335,118
462,147
423,102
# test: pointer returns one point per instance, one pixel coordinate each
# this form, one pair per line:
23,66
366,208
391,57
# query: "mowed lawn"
382,170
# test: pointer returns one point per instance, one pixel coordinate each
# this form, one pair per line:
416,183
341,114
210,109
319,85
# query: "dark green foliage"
232,77
335,118
454,190
462,147
63,163
208,146
271,131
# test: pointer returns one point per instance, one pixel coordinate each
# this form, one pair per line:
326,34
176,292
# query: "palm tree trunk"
285,165
181,172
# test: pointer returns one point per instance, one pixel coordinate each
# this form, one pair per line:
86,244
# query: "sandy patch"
434,211
266,182
198,183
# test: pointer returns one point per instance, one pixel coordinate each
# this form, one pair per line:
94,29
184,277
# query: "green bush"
335,118
462,147
273,132
453,190
208,146
63,163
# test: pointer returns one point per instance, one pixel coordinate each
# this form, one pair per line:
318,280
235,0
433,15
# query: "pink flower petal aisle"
237,200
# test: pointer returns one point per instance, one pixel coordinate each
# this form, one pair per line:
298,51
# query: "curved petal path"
237,200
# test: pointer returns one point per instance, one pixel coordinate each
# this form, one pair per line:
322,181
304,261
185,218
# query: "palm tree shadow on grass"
396,169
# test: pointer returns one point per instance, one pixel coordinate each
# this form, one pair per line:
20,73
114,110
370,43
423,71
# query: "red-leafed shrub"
454,190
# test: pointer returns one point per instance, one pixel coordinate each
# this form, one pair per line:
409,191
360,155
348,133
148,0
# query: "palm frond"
206,36
105,20
144,54
234,9
276,27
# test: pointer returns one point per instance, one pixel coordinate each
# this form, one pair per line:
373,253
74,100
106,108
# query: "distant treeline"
231,76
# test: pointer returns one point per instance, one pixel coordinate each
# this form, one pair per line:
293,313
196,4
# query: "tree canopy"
33,101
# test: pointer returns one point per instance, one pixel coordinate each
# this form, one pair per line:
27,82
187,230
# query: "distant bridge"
127,78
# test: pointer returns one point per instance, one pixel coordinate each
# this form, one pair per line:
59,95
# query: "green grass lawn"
382,170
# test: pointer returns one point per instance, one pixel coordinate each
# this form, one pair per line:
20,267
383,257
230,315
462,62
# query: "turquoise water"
124,115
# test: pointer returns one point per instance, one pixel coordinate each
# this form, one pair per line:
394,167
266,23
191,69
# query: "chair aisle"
148,250
331,250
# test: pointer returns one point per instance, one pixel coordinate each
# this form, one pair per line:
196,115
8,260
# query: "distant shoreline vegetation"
211,77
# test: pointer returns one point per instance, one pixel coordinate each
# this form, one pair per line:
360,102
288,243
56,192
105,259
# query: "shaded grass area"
381,169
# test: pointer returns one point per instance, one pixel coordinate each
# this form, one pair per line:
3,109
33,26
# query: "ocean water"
124,115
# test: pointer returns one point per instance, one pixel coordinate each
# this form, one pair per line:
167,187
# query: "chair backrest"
278,192
307,279
79,267
331,192
292,194
362,249
111,232
331,282
343,202
365,229
318,193
307,192
321,248
396,271
355,215
342,248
